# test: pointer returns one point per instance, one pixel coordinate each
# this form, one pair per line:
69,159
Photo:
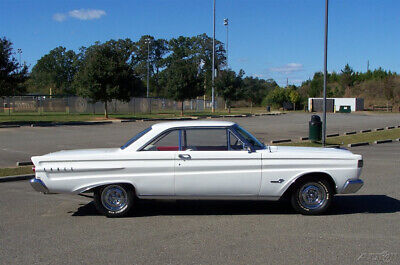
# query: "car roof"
174,124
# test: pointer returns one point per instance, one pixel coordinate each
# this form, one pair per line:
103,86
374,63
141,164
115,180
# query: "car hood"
311,152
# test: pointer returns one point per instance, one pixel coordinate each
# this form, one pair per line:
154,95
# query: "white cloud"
258,75
81,14
59,17
288,68
87,14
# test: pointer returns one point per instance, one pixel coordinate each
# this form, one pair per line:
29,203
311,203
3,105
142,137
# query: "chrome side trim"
70,169
38,185
222,197
352,186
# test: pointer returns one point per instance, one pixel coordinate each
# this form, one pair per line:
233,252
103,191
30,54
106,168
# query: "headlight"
360,163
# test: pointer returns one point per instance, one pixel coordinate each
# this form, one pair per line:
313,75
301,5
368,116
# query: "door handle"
184,156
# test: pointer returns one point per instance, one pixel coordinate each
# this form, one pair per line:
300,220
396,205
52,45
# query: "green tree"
55,72
152,51
182,80
12,73
316,85
199,50
347,77
294,97
106,73
230,86
277,97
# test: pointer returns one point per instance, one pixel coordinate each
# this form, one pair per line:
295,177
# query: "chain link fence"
79,105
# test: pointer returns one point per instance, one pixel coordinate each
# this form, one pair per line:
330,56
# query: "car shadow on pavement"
350,204
347,204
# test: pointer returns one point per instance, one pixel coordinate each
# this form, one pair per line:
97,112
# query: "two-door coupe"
200,160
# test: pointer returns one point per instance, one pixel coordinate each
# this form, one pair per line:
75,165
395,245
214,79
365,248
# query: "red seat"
168,148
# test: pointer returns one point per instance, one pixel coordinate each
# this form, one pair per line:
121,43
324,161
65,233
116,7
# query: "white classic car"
200,160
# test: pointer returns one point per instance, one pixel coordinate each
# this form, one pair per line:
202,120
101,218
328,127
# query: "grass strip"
369,137
54,117
15,171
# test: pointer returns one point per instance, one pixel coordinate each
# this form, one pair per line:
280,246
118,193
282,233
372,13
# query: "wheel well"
130,185
314,175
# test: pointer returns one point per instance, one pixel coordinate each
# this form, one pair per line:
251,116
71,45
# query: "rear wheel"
312,196
114,200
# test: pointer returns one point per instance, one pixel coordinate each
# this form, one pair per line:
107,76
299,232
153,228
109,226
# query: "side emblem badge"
277,181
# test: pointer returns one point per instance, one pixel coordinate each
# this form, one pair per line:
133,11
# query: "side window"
235,143
205,140
166,142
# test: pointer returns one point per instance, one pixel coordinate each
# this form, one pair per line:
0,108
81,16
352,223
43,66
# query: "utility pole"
368,66
226,23
325,73
148,65
213,64
19,51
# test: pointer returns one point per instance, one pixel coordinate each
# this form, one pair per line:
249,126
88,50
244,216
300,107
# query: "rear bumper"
352,186
38,185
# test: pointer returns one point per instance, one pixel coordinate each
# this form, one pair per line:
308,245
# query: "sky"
279,39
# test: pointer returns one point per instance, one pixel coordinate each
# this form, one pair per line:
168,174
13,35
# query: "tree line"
179,69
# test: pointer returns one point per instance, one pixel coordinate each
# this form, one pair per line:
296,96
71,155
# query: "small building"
334,104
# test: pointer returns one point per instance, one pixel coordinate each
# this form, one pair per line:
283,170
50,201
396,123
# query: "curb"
383,141
79,123
281,141
24,163
349,133
16,178
10,126
365,131
332,135
357,144
398,140
333,146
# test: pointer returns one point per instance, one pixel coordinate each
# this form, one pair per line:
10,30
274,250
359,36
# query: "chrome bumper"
38,185
352,186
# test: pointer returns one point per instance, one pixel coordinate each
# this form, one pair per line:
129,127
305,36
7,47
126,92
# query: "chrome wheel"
312,196
114,198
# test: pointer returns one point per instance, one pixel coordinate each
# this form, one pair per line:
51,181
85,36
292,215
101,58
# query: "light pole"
226,23
148,65
325,73
213,64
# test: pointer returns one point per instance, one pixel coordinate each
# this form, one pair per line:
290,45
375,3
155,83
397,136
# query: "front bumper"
352,186
38,185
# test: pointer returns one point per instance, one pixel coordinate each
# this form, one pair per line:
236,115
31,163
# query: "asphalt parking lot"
363,228
19,144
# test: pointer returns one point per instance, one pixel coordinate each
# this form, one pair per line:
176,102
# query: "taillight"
33,169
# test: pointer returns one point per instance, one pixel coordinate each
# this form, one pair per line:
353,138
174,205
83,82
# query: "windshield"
135,138
249,138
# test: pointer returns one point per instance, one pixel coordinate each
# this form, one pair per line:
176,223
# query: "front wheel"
114,200
312,197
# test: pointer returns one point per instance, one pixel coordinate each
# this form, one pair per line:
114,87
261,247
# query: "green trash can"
344,109
315,128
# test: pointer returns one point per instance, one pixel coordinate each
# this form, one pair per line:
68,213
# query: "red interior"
168,148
